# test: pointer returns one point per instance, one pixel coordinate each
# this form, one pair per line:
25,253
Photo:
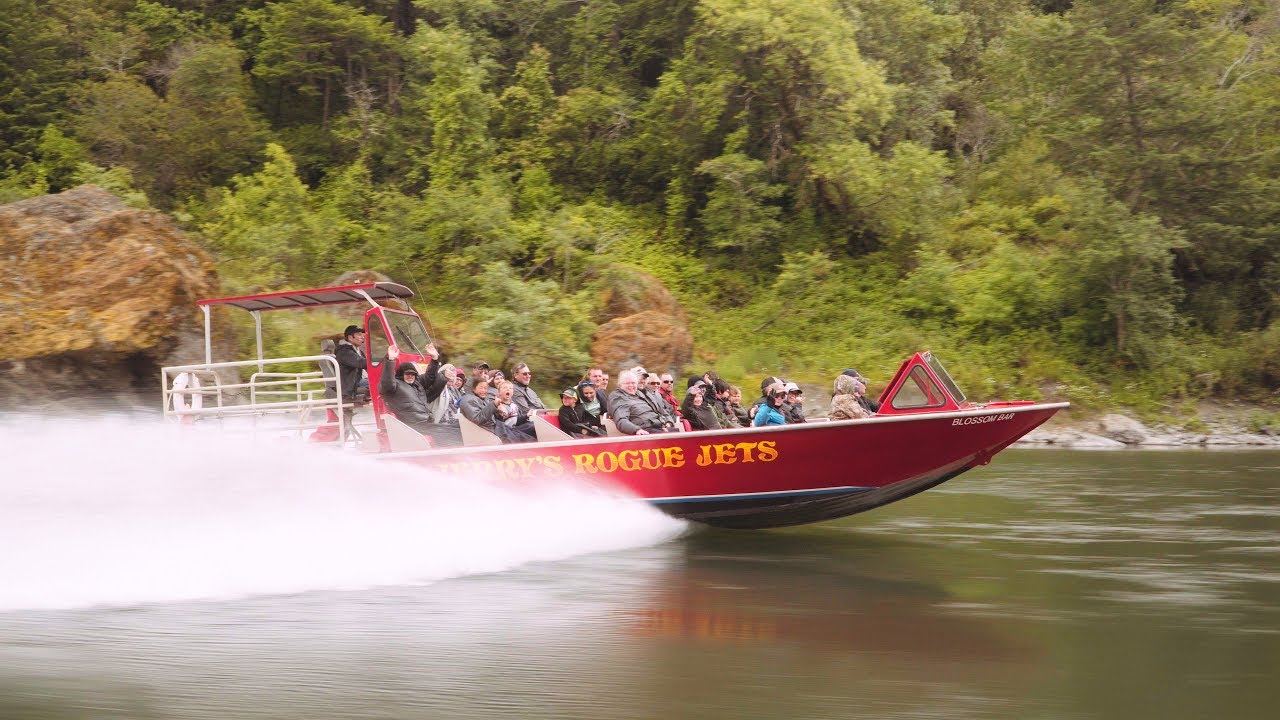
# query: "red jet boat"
925,433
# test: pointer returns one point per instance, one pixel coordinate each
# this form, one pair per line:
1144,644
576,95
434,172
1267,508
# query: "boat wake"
126,512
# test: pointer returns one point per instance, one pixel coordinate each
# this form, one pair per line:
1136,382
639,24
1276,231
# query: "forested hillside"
1062,199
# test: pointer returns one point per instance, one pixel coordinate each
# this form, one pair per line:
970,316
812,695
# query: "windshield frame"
944,377
400,333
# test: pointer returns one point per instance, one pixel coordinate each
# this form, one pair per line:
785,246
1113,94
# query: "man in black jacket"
351,363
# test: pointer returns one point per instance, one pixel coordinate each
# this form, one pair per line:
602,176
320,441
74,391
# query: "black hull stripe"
760,513
739,497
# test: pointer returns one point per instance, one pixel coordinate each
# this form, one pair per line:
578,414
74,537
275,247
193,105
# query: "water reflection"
815,591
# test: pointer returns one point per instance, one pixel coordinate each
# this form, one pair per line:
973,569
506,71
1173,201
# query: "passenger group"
645,403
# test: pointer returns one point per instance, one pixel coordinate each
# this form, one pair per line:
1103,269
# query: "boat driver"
351,362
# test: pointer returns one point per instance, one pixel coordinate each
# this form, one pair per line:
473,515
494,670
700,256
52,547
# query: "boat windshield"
936,366
407,330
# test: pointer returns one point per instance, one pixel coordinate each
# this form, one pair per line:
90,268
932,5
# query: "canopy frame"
370,292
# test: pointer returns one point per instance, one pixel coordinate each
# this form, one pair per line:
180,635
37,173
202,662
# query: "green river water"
1050,584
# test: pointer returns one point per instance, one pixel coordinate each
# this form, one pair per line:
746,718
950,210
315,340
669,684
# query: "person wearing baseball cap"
351,363
574,420
794,406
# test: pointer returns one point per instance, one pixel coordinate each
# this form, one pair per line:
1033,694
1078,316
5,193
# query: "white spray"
120,512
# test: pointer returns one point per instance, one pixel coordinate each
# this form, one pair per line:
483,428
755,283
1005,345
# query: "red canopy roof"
315,297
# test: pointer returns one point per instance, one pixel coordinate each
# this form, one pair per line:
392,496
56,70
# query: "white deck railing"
297,398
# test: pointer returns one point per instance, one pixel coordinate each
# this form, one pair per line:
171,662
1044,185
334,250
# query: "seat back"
547,430
474,435
404,438
612,428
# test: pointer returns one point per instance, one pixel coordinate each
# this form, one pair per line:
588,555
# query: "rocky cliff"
95,296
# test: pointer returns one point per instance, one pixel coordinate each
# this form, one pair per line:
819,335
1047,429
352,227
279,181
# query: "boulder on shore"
1123,429
642,323
95,297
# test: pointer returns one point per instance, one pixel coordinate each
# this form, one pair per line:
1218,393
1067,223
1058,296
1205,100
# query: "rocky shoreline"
1120,431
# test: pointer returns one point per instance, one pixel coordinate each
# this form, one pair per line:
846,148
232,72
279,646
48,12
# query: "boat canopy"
315,297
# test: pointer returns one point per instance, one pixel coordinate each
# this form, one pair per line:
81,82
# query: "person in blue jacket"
770,412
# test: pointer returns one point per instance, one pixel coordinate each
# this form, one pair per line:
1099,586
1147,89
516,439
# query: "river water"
138,582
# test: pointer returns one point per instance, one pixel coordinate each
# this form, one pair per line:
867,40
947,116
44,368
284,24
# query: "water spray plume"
118,512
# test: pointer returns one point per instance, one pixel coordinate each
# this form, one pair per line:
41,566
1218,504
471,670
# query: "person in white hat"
793,408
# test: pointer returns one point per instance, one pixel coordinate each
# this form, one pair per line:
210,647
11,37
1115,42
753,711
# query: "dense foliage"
1067,199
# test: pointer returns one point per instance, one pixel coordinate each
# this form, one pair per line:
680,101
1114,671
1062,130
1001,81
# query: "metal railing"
297,397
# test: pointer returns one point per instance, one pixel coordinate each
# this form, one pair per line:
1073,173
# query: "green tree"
530,321
312,46
198,136
266,229
777,82
36,78
522,107
1176,116
457,104
1116,267
739,213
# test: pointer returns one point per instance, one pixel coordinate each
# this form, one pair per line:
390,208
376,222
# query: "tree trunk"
1137,178
324,121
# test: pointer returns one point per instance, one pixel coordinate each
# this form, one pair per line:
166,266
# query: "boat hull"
766,477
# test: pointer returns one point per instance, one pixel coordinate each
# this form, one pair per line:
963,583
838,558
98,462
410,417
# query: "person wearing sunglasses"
524,396
666,388
652,393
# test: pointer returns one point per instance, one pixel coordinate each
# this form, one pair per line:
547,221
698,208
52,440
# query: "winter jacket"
633,412
351,363
660,406
700,417
445,409
724,413
768,415
844,404
793,413
526,398
574,420
478,410
409,400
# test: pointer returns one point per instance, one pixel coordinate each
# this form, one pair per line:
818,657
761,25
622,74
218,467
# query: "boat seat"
548,429
612,428
404,438
473,435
